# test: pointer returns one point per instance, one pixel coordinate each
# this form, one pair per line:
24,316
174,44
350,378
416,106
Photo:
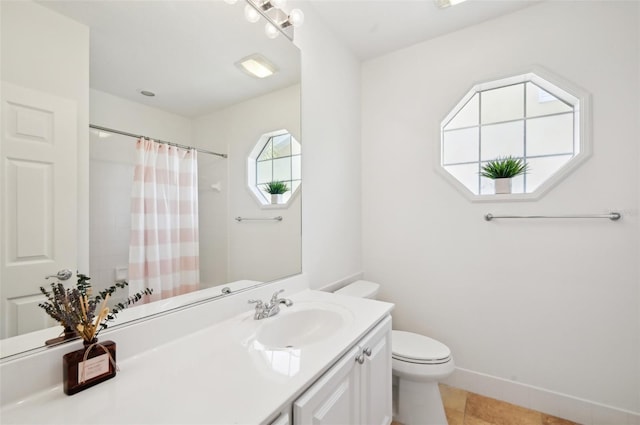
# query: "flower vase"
503,186
67,334
276,198
94,363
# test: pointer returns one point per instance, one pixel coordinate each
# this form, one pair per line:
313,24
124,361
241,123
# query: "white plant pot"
276,199
503,186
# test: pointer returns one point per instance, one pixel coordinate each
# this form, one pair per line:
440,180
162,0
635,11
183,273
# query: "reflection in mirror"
184,52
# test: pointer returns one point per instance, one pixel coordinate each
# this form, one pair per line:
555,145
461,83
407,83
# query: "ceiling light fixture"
257,66
443,4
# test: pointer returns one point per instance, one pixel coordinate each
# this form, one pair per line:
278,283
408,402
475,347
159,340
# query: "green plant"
504,168
276,187
76,308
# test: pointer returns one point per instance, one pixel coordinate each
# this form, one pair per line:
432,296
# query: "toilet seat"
419,349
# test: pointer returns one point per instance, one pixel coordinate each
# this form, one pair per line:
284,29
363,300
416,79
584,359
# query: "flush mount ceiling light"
257,66
278,20
443,4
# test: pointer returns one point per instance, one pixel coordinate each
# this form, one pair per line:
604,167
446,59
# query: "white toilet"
418,363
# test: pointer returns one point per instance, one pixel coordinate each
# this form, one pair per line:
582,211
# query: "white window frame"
560,88
251,172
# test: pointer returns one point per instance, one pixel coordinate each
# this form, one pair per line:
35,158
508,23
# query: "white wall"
331,207
35,39
550,304
256,250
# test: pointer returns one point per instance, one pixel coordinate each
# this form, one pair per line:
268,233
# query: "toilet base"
419,403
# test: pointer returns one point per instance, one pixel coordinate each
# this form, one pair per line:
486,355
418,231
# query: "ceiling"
375,27
185,50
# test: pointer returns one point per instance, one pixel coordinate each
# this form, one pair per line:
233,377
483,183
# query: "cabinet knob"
367,351
360,359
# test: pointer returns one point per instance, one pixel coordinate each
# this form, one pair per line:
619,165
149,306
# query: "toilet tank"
361,289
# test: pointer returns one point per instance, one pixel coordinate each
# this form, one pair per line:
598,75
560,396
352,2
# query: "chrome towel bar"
613,216
278,218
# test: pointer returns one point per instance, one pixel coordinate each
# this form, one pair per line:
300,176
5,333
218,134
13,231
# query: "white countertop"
216,375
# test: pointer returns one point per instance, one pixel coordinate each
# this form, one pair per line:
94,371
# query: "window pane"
540,169
281,145
503,104
282,169
550,135
501,140
541,102
467,174
266,152
460,146
296,167
263,174
265,194
296,149
467,117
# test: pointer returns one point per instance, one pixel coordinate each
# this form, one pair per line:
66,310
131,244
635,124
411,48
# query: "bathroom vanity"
326,360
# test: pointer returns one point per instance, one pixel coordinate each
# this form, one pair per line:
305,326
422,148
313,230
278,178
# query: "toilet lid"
417,348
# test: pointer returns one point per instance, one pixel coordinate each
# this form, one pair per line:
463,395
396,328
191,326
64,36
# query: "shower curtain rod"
137,136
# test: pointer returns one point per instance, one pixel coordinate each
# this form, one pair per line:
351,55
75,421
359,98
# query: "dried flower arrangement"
77,310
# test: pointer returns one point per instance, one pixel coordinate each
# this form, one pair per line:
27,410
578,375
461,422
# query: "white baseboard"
561,405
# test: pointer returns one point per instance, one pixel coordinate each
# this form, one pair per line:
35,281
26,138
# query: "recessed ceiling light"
442,4
147,93
256,66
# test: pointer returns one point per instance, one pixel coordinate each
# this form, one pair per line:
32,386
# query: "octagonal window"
526,118
275,161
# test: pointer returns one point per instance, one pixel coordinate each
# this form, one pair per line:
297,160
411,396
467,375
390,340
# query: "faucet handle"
258,303
274,297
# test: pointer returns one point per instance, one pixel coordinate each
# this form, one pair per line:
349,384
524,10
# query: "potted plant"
276,189
502,170
78,310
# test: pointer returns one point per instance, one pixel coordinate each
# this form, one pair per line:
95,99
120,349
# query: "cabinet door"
335,398
376,375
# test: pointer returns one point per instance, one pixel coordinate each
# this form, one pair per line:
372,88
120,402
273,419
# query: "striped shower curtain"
163,249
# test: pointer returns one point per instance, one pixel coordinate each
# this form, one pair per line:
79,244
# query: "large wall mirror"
188,54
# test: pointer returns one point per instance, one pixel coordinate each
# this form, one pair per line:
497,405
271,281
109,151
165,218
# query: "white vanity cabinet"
356,390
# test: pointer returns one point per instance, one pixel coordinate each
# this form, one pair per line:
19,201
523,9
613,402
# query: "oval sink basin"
299,328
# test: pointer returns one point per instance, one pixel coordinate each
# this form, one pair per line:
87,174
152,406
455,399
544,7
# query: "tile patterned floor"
466,408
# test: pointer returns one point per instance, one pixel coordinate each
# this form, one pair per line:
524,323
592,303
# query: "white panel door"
38,201
376,376
335,398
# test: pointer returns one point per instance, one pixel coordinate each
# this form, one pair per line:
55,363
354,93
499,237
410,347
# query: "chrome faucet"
271,308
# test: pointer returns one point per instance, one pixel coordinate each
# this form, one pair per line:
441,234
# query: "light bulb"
250,14
296,17
271,31
231,1
278,3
